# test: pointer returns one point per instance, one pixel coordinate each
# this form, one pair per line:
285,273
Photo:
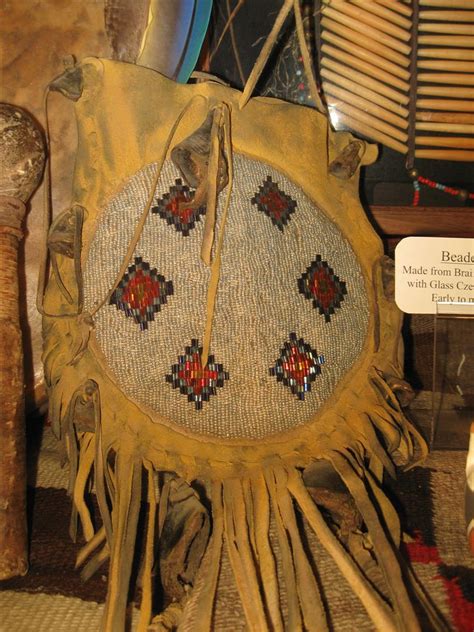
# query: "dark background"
384,183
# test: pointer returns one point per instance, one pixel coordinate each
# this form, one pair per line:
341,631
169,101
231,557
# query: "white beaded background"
258,305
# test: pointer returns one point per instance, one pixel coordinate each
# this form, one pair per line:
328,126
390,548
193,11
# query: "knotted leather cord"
411,132
212,186
215,547
213,175
77,247
47,220
141,223
46,210
62,288
221,120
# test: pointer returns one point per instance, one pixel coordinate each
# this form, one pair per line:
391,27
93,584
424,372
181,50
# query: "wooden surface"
13,526
404,221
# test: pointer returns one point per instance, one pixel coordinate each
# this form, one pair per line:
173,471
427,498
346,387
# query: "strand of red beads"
420,180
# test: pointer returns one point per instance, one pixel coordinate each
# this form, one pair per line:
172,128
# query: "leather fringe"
404,615
124,525
147,577
370,441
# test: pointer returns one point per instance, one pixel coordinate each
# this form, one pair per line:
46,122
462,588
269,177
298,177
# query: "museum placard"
434,275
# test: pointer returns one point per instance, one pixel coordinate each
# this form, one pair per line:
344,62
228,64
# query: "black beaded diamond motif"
323,287
298,366
197,382
276,204
177,209
141,293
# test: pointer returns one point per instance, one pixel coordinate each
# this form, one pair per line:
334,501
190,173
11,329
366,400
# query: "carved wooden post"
21,165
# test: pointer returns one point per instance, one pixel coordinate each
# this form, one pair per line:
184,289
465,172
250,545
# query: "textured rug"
53,597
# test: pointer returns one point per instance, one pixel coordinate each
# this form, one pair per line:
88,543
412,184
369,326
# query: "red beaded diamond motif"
274,203
141,293
298,366
323,287
177,209
194,380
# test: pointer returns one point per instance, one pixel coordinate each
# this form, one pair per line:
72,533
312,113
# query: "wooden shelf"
405,221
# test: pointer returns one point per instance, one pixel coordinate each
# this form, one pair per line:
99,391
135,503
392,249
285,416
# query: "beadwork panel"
291,314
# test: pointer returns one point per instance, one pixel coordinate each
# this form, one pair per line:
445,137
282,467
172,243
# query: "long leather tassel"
70,440
403,610
147,580
221,123
124,525
98,559
373,603
289,574
250,514
103,536
95,563
86,461
264,554
90,547
312,608
109,472
99,470
243,566
389,513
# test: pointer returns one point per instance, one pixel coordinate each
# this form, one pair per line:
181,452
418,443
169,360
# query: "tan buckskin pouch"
234,331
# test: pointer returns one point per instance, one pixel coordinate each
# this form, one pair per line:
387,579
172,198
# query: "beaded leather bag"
218,311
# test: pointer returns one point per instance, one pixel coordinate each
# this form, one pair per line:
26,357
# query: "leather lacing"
220,134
